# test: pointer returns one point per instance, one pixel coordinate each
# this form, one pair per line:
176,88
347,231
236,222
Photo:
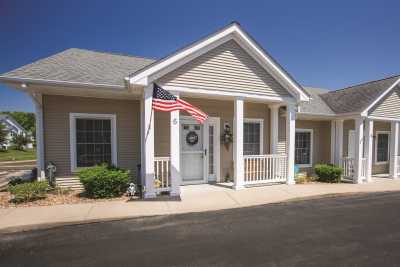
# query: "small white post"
339,142
290,141
175,154
40,164
394,148
369,135
148,147
359,132
274,128
333,142
238,144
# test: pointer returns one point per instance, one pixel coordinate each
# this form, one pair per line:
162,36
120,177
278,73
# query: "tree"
26,119
20,141
3,134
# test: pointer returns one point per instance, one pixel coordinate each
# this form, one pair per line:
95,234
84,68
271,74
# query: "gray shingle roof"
82,66
357,98
316,105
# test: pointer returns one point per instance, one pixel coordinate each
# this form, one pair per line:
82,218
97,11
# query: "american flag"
165,101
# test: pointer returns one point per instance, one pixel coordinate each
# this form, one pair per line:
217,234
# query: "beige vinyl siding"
214,108
281,135
227,67
389,107
56,110
321,141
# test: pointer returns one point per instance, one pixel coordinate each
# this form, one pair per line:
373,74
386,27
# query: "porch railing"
162,173
265,168
348,165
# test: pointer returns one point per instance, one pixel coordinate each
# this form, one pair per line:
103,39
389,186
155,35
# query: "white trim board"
231,32
311,131
376,148
72,135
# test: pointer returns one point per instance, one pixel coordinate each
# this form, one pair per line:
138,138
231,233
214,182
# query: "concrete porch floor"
194,198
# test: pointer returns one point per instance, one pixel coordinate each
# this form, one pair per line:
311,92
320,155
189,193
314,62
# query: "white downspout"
37,100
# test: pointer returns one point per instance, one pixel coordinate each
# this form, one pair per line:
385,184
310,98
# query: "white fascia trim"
376,147
72,135
201,47
229,94
311,131
365,112
383,119
261,122
56,82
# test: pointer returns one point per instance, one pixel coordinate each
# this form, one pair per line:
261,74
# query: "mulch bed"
54,198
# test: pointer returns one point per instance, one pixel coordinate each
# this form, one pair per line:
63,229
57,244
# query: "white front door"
192,151
200,150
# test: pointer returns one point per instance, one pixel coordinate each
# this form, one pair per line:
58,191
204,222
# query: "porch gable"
388,107
227,67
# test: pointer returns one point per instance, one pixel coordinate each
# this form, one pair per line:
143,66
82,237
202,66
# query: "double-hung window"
93,140
253,136
303,147
382,147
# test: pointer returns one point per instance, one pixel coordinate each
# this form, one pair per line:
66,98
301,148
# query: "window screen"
93,142
303,148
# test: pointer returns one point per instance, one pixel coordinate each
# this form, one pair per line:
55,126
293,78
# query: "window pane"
251,138
211,150
303,148
93,142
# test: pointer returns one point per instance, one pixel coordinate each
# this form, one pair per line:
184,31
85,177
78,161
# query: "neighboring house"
94,107
13,128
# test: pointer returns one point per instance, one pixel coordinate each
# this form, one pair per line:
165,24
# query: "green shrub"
104,181
328,173
28,191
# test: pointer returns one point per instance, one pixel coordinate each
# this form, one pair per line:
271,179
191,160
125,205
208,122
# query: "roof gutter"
61,83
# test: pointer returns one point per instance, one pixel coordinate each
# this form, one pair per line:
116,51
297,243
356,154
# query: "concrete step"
69,182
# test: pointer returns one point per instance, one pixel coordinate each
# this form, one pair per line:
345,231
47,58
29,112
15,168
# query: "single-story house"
13,128
94,107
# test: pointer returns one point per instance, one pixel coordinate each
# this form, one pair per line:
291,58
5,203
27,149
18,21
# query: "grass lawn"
12,154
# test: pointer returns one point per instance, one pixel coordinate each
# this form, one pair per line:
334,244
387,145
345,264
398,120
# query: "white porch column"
339,142
238,144
175,154
290,141
148,143
369,137
333,142
394,148
274,128
359,132
40,164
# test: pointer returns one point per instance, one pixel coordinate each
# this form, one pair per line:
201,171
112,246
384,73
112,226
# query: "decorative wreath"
192,138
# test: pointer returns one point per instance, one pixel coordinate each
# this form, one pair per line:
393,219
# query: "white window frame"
311,131
376,147
261,122
72,136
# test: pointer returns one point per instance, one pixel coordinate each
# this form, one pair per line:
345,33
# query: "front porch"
367,147
256,155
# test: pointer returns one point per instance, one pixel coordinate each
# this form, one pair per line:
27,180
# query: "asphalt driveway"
360,230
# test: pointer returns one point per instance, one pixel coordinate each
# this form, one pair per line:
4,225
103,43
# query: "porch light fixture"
227,136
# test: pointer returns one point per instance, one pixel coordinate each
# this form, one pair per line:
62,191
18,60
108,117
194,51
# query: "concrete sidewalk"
194,198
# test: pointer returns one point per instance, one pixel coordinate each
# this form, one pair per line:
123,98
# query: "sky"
326,44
